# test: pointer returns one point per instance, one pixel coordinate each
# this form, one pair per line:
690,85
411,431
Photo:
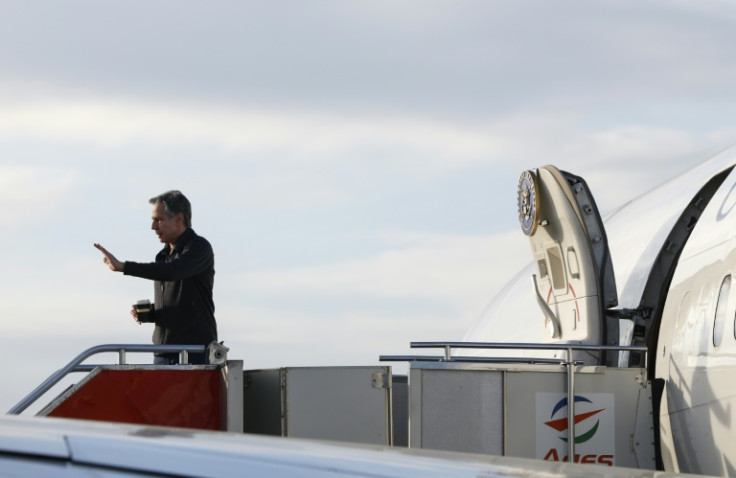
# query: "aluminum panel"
458,411
609,408
339,403
351,404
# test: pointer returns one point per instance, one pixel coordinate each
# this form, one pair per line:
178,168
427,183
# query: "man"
183,275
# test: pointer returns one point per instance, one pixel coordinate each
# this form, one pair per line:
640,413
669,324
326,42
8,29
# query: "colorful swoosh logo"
561,424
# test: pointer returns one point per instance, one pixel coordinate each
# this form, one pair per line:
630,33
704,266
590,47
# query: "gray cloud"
467,58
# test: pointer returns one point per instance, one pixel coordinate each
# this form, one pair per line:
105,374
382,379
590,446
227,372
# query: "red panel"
181,398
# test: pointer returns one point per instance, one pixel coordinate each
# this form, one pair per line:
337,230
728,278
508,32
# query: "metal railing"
121,349
567,362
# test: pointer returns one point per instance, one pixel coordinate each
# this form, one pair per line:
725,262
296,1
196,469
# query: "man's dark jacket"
184,310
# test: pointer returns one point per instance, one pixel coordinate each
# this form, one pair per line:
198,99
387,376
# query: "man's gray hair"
174,203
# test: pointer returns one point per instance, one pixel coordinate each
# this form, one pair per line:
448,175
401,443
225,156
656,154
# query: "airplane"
671,254
628,321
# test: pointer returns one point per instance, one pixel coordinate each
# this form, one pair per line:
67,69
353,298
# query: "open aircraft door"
574,281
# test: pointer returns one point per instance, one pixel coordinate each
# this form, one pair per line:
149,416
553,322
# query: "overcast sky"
353,163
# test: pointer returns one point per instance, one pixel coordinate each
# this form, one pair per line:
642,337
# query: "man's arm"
196,257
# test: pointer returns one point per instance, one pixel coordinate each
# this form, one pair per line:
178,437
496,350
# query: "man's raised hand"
110,260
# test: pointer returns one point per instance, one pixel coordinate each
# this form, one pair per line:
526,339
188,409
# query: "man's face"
167,228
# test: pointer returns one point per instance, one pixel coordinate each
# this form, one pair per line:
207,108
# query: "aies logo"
593,424
587,419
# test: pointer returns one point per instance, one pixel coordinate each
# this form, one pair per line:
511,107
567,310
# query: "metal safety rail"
566,362
121,349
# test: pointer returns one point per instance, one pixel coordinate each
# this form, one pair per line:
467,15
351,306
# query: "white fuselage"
696,352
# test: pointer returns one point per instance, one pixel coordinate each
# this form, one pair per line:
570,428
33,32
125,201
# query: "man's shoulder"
192,239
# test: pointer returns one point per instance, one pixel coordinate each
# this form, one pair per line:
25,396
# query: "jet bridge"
550,409
545,408
351,404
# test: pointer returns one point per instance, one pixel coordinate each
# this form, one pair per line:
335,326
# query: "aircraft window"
703,314
720,320
572,262
542,265
557,268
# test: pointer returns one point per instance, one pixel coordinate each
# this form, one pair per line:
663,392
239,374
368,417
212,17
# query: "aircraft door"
574,280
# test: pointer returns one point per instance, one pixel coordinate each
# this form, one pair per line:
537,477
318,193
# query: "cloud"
28,192
297,134
457,271
324,137
620,164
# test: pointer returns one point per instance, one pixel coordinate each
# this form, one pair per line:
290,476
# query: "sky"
353,163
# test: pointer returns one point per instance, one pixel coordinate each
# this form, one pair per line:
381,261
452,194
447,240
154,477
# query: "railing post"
570,407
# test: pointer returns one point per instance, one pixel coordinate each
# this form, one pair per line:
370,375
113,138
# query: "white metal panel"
234,395
458,411
332,403
509,408
37,467
614,392
339,403
157,451
27,441
567,274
